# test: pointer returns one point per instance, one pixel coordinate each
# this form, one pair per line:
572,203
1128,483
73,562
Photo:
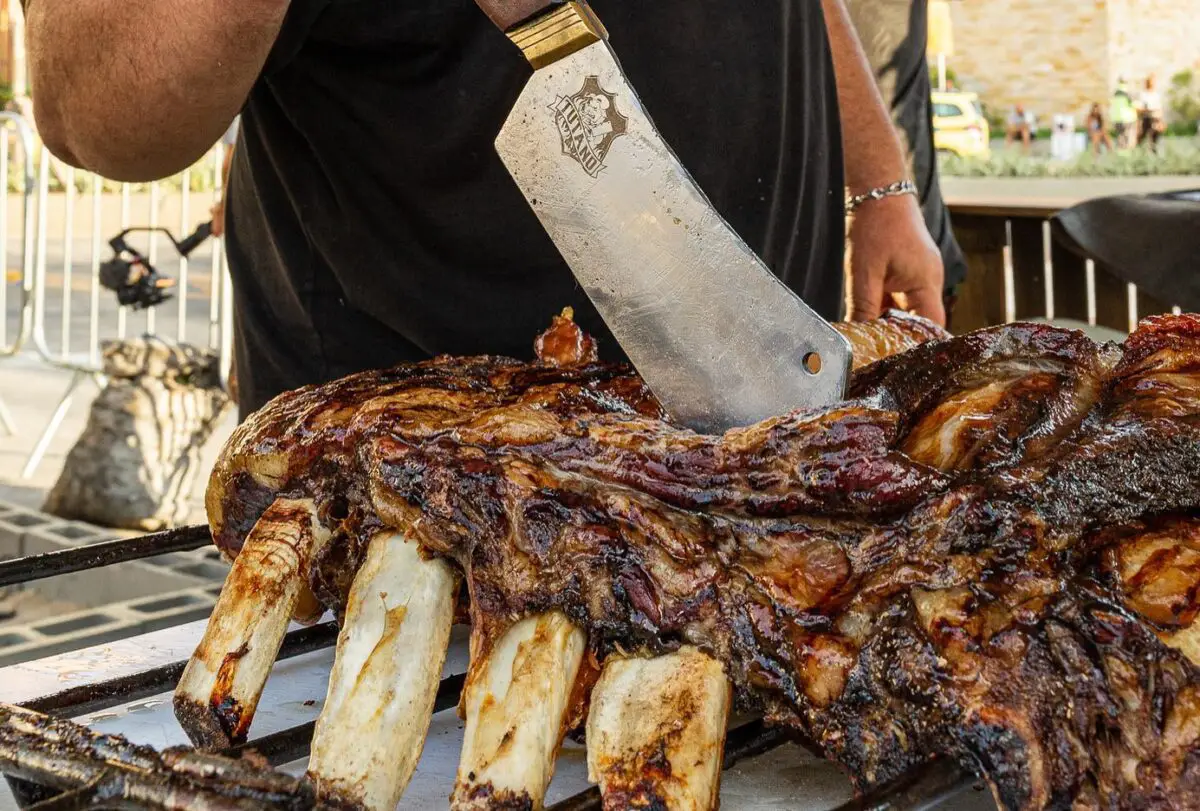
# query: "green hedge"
1174,159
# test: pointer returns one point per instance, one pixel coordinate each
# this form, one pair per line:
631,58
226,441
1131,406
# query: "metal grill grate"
925,788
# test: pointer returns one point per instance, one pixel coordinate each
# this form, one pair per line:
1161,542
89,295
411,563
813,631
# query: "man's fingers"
927,302
866,295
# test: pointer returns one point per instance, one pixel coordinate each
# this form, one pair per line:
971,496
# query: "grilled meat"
894,333
991,552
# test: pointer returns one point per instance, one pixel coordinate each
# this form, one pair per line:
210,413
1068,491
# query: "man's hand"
140,90
893,260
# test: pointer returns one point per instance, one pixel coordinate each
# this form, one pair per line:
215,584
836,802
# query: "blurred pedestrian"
1150,110
1019,127
1124,115
1097,130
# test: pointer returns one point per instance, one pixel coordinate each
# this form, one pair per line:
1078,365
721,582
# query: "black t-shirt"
371,221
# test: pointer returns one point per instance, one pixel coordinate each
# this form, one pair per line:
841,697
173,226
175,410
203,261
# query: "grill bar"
292,744
69,800
69,757
89,698
106,553
923,788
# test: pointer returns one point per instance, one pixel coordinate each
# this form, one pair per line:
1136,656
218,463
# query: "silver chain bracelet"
897,189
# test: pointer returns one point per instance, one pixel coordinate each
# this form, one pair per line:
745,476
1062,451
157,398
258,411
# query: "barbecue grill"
124,688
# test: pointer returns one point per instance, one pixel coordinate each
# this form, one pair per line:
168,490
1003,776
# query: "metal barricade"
16,282
72,315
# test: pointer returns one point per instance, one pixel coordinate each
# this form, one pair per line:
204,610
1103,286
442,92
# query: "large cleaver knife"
717,337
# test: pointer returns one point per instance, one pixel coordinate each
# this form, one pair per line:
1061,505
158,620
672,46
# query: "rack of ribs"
990,552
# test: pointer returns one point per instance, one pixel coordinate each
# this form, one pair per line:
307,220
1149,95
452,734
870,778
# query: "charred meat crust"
487,797
305,435
1036,384
895,332
209,728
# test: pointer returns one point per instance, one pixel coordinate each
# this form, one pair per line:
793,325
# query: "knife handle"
546,30
508,14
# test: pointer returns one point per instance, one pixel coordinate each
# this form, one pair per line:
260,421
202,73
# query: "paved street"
1053,191
71,260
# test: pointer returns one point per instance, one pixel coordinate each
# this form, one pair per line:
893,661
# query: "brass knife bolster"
569,28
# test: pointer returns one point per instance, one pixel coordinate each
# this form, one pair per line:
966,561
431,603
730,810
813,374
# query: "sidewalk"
1053,192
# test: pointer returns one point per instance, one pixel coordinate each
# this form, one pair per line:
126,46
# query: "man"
1124,115
894,34
1150,110
1018,127
369,219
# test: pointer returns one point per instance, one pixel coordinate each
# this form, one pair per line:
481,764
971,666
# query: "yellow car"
959,126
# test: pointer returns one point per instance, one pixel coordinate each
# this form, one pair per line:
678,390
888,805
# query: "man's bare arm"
874,156
891,252
140,89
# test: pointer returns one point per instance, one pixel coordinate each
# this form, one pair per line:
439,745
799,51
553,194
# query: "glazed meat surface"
991,552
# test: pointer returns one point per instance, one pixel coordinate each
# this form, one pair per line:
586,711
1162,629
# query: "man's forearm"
873,154
891,258
139,89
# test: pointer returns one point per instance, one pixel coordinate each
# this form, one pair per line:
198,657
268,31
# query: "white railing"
63,315
16,278
72,314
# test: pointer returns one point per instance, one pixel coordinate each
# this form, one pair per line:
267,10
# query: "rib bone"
389,661
219,690
516,703
656,732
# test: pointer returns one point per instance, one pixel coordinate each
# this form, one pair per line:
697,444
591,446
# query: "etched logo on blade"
589,123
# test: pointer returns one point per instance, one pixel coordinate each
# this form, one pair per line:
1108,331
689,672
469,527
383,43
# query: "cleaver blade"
716,336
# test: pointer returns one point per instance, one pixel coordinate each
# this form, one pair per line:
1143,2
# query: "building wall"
1058,56
1050,55
1159,37
6,47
